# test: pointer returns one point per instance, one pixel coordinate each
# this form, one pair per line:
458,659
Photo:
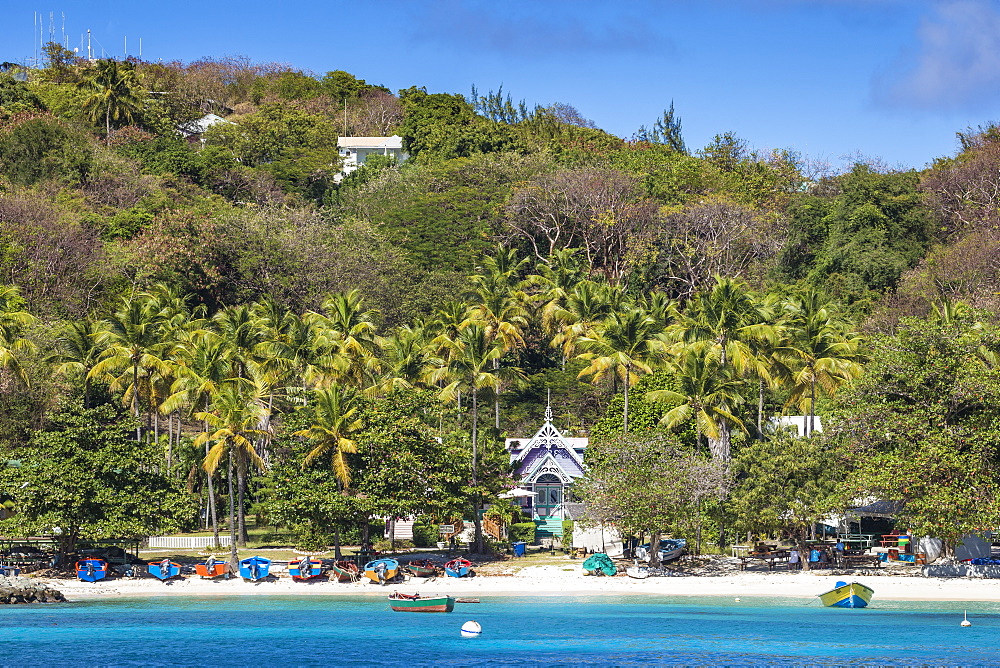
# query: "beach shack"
546,465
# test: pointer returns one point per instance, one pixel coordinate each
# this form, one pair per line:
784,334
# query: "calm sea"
543,631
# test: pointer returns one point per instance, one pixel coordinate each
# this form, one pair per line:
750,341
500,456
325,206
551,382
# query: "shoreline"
549,581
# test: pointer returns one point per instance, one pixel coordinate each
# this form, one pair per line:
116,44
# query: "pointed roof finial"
548,405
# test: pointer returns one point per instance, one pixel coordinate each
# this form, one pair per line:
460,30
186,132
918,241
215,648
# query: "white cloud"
956,65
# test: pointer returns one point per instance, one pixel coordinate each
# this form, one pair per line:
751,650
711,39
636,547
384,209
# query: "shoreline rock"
14,590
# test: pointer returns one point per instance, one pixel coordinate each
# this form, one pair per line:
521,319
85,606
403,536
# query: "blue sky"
891,80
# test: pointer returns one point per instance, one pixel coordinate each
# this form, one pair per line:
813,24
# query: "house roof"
199,125
394,141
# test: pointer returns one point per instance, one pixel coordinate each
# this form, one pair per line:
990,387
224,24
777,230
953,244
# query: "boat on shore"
458,568
670,549
345,571
164,569
847,595
306,568
255,568
422,568
417,603
211,569
599,564
381,571
91,570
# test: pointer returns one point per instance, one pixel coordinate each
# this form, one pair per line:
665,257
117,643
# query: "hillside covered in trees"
233,308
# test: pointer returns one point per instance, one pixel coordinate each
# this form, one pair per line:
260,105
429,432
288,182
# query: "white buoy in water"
966,622
737,600
471,629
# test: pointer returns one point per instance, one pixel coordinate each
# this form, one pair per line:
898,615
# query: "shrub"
567,535
425,533
523,531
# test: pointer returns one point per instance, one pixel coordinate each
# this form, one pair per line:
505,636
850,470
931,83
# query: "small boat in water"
346,571
599,564
458,568
422,568
380,571
417,603
91,570
164,570
305,568
847,595
255,568
211,568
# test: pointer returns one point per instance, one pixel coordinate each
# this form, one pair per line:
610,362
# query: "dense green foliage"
340,350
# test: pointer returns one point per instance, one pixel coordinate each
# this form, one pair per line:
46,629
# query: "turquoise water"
601,631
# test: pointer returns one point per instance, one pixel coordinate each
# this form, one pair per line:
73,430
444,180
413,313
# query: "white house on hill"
355,150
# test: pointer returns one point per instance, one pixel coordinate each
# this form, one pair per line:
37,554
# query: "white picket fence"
187,542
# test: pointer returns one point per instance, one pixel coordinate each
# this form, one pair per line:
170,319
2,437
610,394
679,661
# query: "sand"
555,580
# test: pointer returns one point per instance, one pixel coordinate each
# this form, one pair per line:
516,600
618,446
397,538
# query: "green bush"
567,535
425,533
524,531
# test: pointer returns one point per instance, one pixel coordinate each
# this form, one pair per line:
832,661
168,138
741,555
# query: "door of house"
548,496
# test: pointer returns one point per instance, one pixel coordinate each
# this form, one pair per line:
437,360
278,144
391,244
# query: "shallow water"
536,630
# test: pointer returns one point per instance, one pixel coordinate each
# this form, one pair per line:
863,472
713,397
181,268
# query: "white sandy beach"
555,581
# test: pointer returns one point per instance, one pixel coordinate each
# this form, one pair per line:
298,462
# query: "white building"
355,150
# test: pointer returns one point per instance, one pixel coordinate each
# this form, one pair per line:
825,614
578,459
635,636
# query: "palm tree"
825,353
115,93
624,346
407,361
77,352
355,336
133,350
470,369
709,394
13,319
587,304
336,420
234,421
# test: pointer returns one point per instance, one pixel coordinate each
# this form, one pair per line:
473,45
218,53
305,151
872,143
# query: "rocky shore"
23,590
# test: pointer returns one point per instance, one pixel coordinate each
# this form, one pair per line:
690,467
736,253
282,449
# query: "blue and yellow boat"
306,568
380,571
847,595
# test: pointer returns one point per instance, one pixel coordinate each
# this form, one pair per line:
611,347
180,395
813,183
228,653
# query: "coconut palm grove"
214,326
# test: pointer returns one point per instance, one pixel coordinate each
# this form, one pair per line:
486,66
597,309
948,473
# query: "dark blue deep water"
536,630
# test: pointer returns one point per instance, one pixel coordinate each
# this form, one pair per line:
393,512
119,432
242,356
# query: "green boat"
417,603
599,564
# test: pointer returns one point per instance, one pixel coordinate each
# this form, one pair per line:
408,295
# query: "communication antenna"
89,52
125,38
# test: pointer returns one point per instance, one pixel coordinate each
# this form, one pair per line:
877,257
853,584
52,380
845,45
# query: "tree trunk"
760,409
812,403
625,416
211,498
241,477
800,543
654,550
336,544
477,522
720,446
234,557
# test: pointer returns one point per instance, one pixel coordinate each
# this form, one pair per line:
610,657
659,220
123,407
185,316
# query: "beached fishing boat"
670,549
211,568
422,568
9,571
164,570
847,595
417,603
599,564
346,571
458,568
305,568
255,568
91,570
380,571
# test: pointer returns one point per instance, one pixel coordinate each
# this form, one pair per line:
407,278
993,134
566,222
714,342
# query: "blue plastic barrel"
519,548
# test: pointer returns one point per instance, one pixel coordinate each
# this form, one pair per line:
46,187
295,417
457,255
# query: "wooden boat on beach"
422,568
346,571
670,549
847,595
91,570
211,568
458,568
380,571
417,603
306,568
255,568
164,570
